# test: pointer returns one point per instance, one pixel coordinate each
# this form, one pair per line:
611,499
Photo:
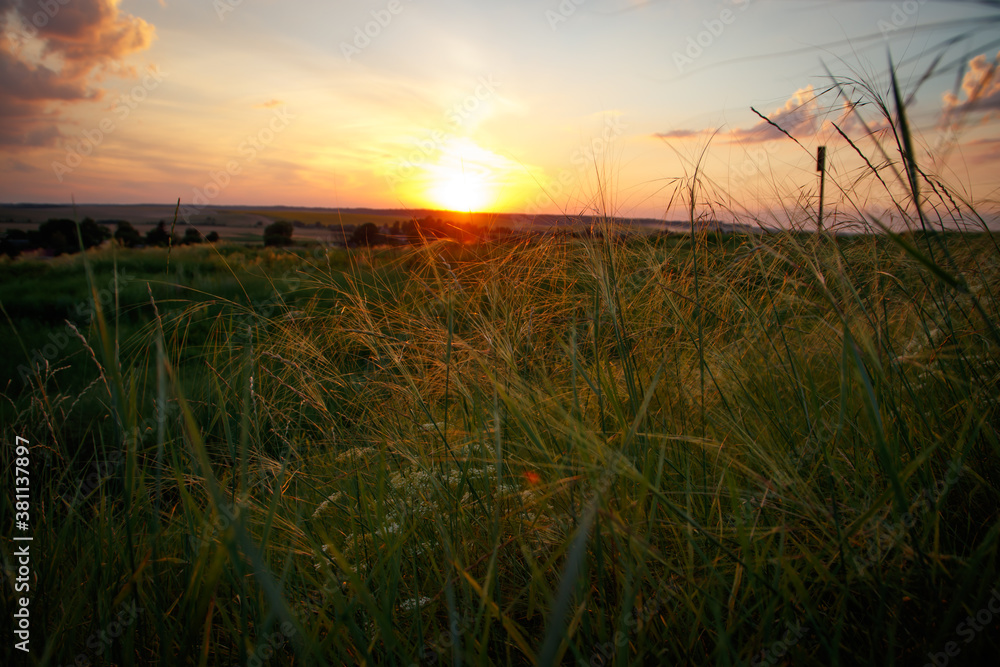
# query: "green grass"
699,450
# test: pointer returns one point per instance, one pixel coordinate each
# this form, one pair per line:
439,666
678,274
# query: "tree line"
58,236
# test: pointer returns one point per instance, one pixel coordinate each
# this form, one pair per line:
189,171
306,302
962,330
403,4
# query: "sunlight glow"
462,192
464,176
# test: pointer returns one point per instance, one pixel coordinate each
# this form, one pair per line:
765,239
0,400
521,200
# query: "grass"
727,449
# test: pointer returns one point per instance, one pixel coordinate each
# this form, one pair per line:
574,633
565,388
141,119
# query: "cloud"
20,166
983,151
800,117
681,134
57,56
270,104
980,90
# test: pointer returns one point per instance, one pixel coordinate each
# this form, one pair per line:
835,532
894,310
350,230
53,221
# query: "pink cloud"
800,117
980,90
77,40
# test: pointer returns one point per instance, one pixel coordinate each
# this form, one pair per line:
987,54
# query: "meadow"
703,448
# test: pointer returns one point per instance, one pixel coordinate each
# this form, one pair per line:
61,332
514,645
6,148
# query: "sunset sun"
467,191
463,177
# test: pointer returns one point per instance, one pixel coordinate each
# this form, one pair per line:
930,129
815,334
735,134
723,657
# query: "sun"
463,191
463,178
461,175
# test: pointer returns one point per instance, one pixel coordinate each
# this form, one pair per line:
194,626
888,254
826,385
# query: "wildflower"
416,603
389,529
323,505
356,454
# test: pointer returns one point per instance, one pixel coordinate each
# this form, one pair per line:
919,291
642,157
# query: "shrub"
278,233
127,235
192,235
158,236
366,234
60,236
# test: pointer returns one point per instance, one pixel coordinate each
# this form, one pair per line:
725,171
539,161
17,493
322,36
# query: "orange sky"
515,106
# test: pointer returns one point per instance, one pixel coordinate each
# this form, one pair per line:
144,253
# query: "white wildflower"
416,603
389,528
323,505
356,454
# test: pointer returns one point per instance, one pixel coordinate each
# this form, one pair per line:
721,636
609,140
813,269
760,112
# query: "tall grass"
699,449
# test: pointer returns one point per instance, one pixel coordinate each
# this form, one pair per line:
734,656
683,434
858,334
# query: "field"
645,450
697,448
237,224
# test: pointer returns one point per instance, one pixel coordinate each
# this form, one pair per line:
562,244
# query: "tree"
366,234
278,233
127,235
159,236
60,235
93,234
56,236
192,235
213,236
14,242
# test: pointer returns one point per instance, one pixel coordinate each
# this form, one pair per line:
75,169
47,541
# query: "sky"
550,106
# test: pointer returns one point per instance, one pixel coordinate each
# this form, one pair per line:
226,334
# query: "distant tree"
127,235
366,234
60,235
158,236
15,241
213,236
410,231
93,234
191,236
278,233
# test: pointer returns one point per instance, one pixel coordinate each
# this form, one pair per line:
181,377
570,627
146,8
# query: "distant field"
325,217
245,224
238,224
